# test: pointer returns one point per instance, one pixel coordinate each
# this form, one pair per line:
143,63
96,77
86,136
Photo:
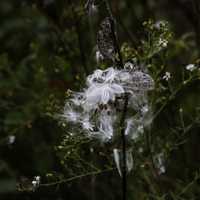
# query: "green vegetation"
48,48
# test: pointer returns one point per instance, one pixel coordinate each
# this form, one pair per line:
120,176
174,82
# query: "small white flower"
159,24
11,139
37,178
167,76
191,67
162,170
34,183
162,42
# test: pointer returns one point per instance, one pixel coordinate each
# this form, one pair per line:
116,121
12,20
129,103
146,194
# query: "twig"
187,187
98,172
172,97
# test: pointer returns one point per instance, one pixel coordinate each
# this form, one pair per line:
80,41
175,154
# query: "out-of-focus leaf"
7,185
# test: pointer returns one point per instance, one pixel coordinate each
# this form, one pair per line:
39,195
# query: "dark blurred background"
48,47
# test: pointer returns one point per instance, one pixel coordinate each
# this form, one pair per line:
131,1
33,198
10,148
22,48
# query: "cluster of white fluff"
98,107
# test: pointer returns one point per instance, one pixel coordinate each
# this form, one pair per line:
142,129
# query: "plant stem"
122,126
119,61
98,172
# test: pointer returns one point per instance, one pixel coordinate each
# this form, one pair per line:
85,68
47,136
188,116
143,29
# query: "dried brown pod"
105,39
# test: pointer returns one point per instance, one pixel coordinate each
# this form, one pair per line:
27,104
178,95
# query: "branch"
173,96
98,172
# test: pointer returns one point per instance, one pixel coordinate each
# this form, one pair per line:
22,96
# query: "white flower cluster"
191,67
162,42
36,182
167,76
97,108
11,139
161,24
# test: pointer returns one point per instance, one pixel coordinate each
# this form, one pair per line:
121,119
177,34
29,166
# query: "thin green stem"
172,97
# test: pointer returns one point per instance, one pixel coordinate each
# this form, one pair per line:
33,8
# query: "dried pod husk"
118,158
142,81
105,39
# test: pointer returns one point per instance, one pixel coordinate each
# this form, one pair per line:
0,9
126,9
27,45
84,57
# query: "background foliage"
48,47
